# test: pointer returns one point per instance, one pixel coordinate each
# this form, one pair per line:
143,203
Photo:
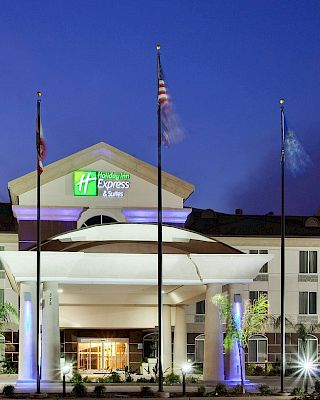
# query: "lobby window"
308,262
307,302
264,268
308,348
257,349
201,307
255,294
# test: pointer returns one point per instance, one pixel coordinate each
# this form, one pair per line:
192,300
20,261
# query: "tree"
7,311
240,328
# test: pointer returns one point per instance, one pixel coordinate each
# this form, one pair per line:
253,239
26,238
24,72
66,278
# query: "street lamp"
65,371
186,368
308,367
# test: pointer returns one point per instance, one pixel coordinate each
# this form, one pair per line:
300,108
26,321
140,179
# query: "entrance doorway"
102,355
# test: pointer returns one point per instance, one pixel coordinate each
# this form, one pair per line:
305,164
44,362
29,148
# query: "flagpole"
160,297
38,237
282,274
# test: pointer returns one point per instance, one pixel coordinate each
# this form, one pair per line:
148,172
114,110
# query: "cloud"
260,192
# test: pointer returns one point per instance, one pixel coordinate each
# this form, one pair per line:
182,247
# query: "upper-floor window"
201,307
308,262
307,302
255,294
264,268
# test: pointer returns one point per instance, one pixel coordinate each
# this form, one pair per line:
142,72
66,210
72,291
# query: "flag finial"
281,101
39,94
158,47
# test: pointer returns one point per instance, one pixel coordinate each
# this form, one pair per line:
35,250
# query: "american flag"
41,145
164,102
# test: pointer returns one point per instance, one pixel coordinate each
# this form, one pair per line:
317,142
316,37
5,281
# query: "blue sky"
227,63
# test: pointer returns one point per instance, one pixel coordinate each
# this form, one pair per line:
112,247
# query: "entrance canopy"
126,254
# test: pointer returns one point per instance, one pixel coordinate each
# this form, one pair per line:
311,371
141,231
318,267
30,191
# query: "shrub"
237,389
114,377
265,390
129,378
99,390
191,379
221,389
8,391
202,391
146,391
172,378
250,369
101,380
274,370
297,391
79,390
76,378
317,386
86,379
258,371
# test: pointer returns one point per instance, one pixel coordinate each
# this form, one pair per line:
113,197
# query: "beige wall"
110,317
140,194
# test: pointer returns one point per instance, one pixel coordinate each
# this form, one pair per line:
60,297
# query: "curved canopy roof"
127,254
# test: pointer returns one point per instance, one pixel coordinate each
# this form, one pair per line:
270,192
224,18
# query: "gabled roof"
100,151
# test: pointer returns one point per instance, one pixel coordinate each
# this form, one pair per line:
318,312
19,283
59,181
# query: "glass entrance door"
102,355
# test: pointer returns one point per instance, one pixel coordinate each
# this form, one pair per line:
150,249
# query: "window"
98,220
201,307
308,348
199,345
257,349
308,262
307,302
264,268
255,294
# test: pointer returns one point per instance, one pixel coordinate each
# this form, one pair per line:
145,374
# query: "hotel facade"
99,271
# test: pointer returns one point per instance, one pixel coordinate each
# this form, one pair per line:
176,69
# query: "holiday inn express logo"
85,183
99,183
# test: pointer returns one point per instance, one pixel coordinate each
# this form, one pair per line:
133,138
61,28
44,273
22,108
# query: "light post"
65,371
307,368
186,368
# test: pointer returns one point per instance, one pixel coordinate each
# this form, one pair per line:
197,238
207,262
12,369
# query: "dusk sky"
227,63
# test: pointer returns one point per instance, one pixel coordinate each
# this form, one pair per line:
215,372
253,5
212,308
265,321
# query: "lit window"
308,262
307,302
264,268
257,349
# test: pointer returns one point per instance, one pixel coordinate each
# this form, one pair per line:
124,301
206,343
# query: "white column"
167,342
233,365
50,357
180,340
213,366
28,332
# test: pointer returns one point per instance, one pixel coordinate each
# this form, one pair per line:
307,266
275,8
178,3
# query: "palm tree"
252,321
7,311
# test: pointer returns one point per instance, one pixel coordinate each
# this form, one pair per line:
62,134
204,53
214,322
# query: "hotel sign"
99,183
